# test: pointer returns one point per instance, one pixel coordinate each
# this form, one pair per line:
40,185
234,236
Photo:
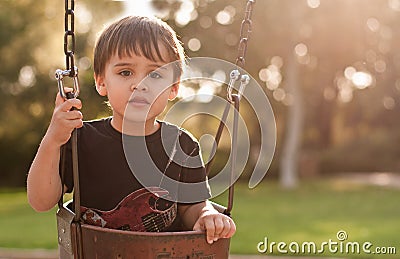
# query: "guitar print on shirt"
143,210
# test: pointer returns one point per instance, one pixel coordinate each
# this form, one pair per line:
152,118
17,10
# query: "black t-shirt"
107,160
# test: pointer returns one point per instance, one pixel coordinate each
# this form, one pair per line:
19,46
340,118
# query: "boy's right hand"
64,120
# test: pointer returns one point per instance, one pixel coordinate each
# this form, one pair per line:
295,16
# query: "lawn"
315,212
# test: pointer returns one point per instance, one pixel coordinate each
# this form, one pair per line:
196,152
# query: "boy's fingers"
202,225
219,226
216,227
68,104
210,227
197,226
59,99
232,228
226,229
74,115
77,123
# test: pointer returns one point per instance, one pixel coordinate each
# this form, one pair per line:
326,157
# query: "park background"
331,71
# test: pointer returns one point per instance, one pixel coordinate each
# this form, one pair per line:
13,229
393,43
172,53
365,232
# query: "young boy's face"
138,88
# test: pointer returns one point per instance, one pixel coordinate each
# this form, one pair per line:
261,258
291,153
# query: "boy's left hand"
216,225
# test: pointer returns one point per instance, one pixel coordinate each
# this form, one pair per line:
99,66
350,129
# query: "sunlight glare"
264,74
84,18
206,92
84,63
373,24
277,61
205,22
361,79
279,94
186,93
394,5
380,66
389,103
219,76
301,50
349,72
36,109
274,77
194,44
313,3
223,17
139,7
186,13
182,18
289,99
346,94
27,77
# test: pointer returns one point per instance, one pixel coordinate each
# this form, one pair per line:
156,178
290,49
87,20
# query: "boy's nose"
139,84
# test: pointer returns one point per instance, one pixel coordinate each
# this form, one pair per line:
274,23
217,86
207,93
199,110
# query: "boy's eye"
154,75
125,73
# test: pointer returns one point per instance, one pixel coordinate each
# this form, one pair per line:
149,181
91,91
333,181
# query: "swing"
80,240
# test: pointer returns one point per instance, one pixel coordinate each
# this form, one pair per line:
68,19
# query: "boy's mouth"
137,100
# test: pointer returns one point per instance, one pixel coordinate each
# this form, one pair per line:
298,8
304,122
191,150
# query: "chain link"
245,31
69,36
69,50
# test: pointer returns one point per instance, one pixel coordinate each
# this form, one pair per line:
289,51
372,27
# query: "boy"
128,51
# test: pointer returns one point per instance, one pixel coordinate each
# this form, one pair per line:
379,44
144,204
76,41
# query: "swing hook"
244,81
234,76
60,74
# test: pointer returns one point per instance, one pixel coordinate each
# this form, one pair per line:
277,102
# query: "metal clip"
60,74
244,80
234,76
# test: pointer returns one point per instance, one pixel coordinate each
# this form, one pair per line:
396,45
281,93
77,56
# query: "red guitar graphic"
142,210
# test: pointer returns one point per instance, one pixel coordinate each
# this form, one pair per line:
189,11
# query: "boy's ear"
173,92
100,85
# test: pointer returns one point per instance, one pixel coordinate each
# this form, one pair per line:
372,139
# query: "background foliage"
347,127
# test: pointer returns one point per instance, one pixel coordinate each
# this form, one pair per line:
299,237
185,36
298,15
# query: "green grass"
314,212
21,226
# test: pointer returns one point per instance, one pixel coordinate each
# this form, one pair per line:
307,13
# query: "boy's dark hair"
138,35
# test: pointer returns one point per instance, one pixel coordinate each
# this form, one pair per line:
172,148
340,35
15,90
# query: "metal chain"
69,36
69,50
234,99
245,31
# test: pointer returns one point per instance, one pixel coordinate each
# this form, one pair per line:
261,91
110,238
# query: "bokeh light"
313,3
194,44
361,79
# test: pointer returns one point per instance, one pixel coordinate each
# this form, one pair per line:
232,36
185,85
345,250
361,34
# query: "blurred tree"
338,45
347,65
31,48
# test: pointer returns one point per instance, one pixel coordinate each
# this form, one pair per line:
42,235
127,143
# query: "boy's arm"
202,216
44,183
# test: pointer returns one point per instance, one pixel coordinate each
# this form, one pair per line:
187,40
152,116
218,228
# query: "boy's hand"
64,120
216,225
